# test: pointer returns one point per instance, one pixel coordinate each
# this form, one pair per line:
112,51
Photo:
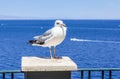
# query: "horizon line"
51,19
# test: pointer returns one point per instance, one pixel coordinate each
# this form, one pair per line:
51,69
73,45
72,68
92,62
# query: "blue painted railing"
88,72
84,73
4,74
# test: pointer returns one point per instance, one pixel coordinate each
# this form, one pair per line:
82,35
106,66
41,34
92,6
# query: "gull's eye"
57,23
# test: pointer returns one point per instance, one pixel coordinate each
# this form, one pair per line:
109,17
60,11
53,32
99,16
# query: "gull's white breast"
59,34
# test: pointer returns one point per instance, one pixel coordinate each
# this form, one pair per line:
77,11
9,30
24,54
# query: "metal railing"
102,73
84,73
4,73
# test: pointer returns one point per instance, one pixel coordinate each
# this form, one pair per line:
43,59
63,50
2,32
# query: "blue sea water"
90,43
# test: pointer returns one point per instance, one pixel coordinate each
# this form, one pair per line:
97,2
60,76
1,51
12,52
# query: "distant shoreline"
60,19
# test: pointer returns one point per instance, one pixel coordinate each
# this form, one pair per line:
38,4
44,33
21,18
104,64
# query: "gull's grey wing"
47,35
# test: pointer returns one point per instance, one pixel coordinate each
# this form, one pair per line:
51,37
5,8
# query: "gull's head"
59,23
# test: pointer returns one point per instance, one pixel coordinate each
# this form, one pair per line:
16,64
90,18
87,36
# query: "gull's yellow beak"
64,25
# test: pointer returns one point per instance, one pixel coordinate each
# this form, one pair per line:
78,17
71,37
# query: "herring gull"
52,37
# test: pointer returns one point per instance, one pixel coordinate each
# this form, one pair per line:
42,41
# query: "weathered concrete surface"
46,64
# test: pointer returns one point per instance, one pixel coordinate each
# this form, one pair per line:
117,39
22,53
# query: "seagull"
52,37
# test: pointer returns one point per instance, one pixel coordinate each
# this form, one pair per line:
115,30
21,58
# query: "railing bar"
3,75
110,74
102,74
89,74
82,74
99,69
12,75
10,71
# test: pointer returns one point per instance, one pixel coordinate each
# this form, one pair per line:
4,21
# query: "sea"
89,43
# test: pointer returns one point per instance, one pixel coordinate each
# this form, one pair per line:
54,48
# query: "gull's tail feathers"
35,42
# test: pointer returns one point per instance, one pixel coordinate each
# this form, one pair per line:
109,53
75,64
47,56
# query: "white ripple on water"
87,40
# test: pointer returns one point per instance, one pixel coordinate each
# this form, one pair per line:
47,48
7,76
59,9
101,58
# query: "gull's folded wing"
47,35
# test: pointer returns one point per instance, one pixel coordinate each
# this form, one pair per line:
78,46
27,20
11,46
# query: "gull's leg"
55,52
50,52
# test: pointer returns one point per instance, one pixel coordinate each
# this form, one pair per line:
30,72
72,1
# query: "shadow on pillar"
48,75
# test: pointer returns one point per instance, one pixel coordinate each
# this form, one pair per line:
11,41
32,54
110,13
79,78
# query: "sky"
60,9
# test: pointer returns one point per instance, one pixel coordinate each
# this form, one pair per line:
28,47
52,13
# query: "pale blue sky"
61,9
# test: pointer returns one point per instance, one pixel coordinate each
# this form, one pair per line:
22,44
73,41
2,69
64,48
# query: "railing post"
102,74
110,74
89,74
82,74
3,76
12,75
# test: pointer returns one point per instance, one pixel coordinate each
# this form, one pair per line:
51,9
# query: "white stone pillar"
45,68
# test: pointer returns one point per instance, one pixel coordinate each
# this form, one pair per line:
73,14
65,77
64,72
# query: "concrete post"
44,68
